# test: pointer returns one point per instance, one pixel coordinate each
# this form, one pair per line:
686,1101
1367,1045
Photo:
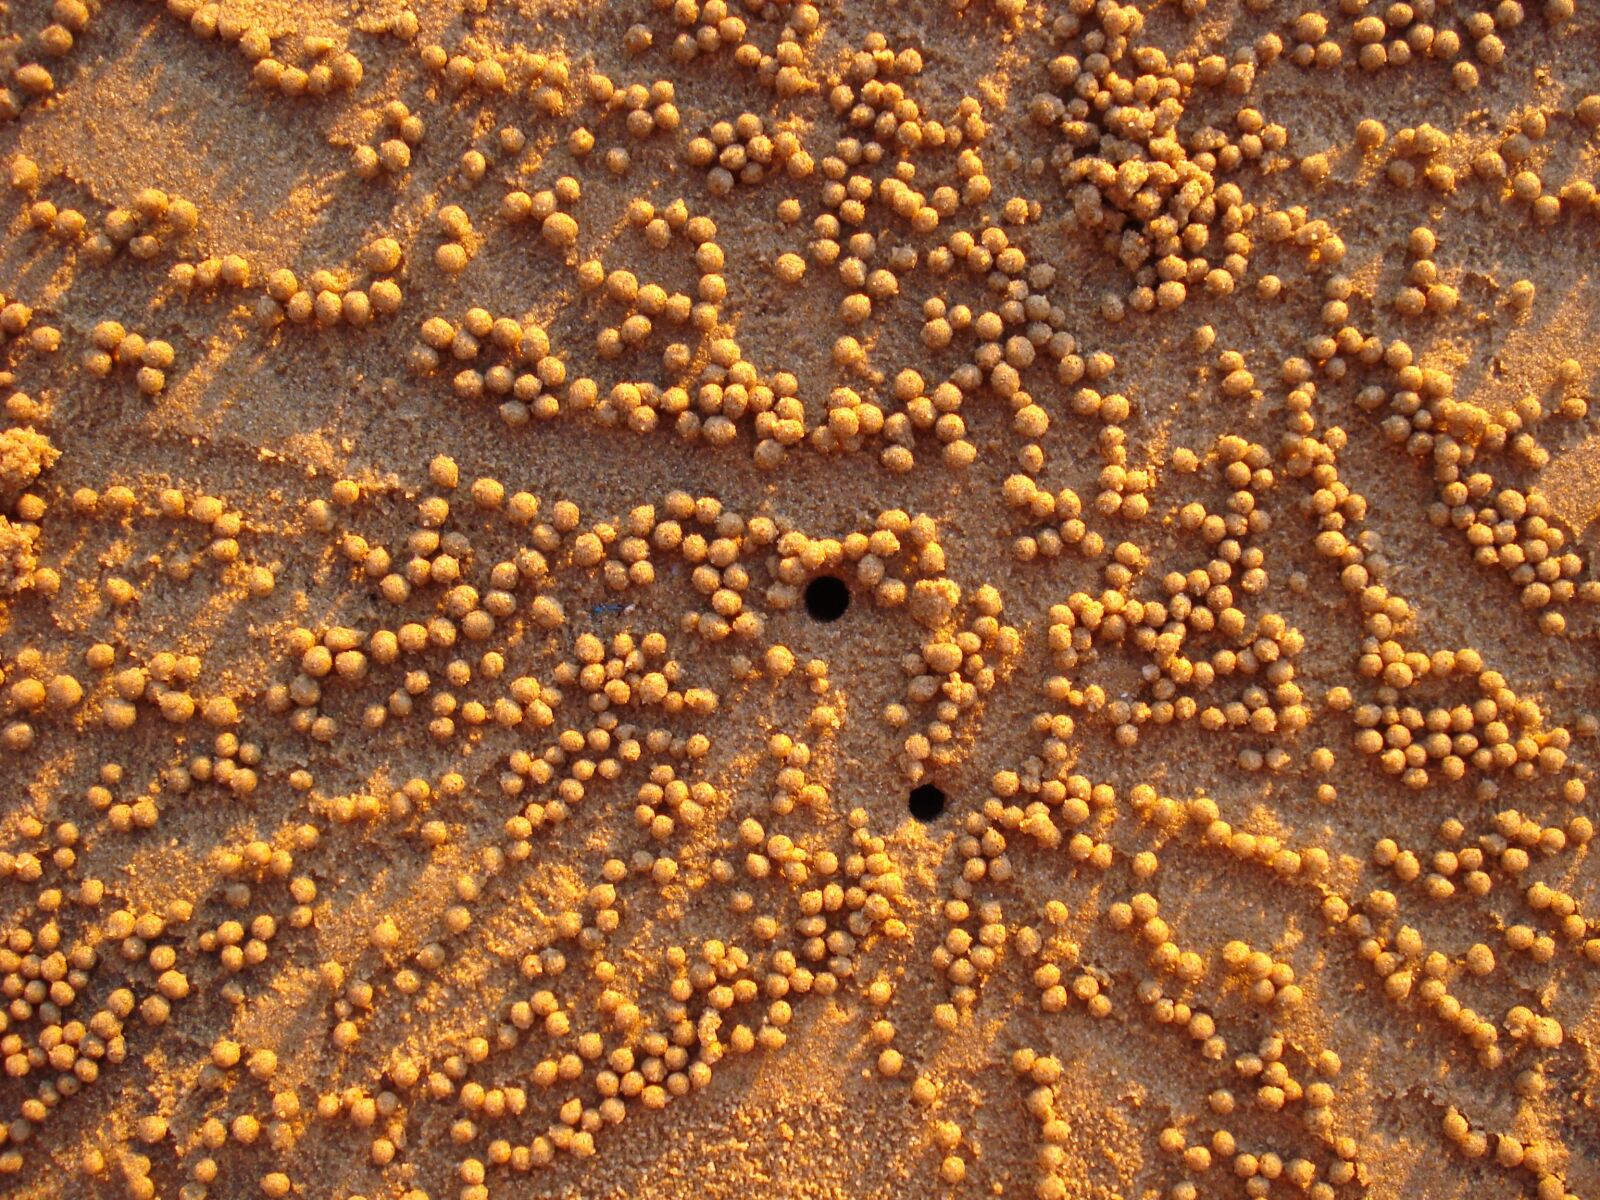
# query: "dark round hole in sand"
926,802
827,597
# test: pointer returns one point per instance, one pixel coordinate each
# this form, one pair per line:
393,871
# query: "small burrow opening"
926,802
827,597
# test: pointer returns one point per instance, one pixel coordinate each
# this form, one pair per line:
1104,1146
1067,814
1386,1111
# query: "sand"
768,600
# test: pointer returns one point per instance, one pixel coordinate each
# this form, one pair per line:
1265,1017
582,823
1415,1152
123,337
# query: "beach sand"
689,599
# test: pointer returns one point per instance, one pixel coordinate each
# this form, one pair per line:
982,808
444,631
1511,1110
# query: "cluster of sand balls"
1126,411
115,346
152,221
25,454
616,708
30,51
327,298
326,69
401,131
630,672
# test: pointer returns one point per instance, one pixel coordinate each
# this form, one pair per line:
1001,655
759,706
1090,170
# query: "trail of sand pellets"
776,599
